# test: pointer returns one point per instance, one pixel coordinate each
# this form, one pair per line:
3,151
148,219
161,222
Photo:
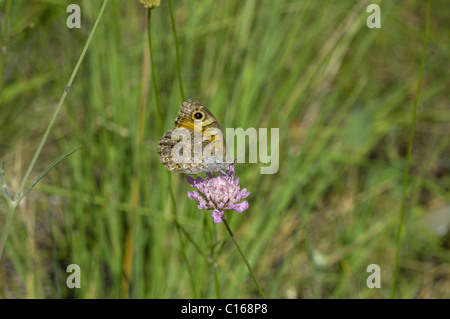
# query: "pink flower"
219,193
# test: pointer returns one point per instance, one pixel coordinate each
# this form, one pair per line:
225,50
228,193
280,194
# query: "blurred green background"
340,93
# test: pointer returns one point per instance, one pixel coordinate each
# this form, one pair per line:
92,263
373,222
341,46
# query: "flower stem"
211,237
243,256
154,83
178,227
172,195
189,238
180,80
408,156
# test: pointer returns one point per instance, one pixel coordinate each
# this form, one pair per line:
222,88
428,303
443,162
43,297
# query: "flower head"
150,4
219,193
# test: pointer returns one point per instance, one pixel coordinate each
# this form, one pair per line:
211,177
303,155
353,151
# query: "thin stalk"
216,280
154,82
172,196
8,224
408,156
4,190
54,256
61,101
243,256
180,81
178,227
4,46
189,237
213,255
135,185
17,198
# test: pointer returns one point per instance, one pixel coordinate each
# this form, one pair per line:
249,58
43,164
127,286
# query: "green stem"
216,280
4,45
154,82
180,81
6,230
4,190
13,204
178,227
172,196
188,236
408,157
213,254
243,256
54,256
183,252
61,101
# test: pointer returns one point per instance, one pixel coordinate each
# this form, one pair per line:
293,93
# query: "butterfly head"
192,112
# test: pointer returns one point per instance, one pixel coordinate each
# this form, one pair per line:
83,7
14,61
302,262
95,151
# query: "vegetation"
341,94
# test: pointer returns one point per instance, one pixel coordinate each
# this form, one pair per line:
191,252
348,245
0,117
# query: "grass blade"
45,171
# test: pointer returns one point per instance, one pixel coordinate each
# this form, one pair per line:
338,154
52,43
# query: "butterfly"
195,145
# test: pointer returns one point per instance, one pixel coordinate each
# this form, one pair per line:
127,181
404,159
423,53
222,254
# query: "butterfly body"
207,149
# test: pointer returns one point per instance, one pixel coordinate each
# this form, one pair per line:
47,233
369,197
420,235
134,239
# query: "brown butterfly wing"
190,111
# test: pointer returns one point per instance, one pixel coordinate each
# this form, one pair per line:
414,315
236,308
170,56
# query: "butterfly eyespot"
198,115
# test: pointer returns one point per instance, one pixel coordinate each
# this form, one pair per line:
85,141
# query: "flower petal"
217,215
230,170
202,203
194,195
243,193
190,180
196,183
240,207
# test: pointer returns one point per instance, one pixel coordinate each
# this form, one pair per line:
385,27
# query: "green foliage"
340,93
